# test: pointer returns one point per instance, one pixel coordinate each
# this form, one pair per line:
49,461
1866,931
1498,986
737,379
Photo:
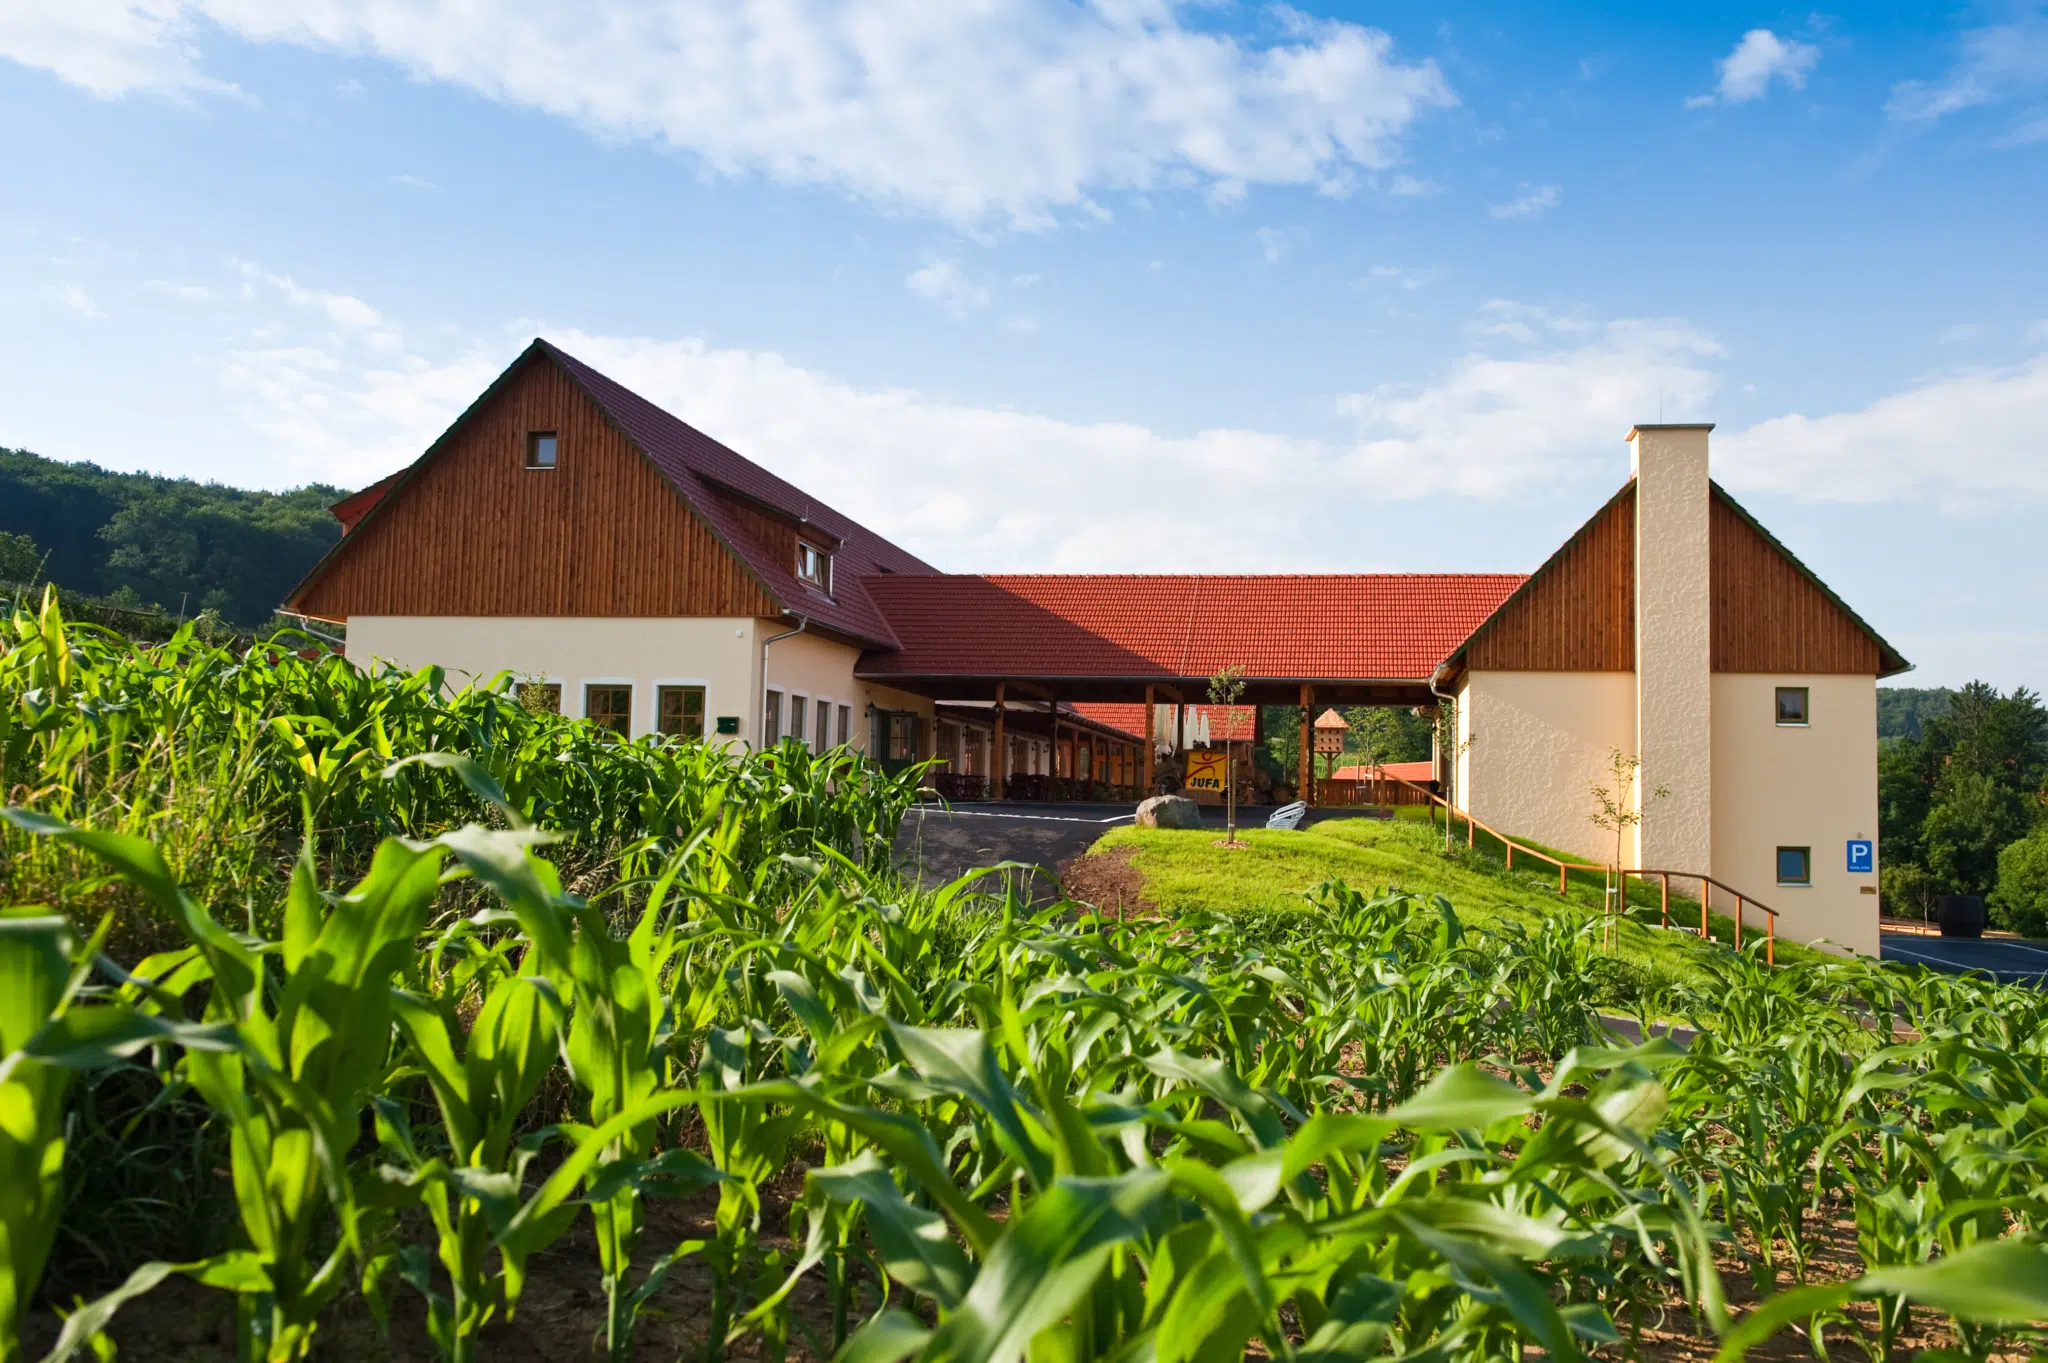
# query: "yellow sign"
1206,771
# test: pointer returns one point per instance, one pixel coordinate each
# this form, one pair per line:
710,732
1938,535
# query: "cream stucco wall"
721,655
1674,645
1536,741
1813,786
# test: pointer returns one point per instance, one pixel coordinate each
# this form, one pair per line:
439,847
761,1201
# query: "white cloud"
351,314
1759,58
73,297
1963,442
107,46
1275,242
1410,187
1533,202
413,182
1015,108
1996,63
2038,332
184,293
945,283
1394,276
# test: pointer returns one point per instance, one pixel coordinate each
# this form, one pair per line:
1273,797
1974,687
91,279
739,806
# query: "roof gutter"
802,623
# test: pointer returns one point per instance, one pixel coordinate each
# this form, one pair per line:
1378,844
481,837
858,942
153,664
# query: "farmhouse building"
643,575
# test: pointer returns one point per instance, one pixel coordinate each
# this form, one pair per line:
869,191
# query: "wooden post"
1151,728
1052,765
1738,922
1562,891
1308,790
1000,780
1664,908
1706,894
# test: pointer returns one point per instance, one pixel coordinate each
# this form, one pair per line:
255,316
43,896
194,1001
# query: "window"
609,706
814,565
771,720
796,717
540,449
1792,705
1795,866
845,725
679,711
902,737
540,697
824,726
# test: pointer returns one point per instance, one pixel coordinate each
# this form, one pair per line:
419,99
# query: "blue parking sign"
1862,855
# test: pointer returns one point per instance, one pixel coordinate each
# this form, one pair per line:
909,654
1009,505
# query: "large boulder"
1169,811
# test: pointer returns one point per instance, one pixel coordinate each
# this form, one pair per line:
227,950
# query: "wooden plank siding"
1577,614
1768,616
475,532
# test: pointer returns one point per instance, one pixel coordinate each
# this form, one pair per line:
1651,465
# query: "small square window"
680,711
1792,705
540,697
771,720
540,449
796,717
1795,866
814,565
609,707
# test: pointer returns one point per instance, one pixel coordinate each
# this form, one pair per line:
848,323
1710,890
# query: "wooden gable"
1577,613
473,531
1769,613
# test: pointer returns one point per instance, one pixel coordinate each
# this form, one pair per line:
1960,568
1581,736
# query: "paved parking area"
2009,960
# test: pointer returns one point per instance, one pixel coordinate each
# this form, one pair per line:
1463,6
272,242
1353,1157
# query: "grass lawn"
1185,870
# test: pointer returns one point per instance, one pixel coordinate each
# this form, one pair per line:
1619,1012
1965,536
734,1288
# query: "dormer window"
814,565
540,449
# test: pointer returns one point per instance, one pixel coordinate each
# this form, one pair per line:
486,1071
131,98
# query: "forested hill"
145,540
1902,711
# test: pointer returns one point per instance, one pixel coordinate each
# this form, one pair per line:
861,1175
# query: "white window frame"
654,702
823,581
789,728
634,727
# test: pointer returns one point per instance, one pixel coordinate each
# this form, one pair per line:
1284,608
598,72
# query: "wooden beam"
1145,786
1052,716
1002,762
1308,788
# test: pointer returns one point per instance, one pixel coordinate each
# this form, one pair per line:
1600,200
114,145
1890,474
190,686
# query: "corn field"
449,980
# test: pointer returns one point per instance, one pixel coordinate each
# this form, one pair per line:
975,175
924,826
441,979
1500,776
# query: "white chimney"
1674,647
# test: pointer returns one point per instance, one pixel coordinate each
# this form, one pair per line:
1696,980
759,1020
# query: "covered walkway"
1060,646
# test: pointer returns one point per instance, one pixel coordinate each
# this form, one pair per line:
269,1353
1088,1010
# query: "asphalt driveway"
2004,958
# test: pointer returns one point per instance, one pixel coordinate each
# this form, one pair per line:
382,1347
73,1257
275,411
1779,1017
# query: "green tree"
1905,792
20,560
1973,817
1224,689
2020,902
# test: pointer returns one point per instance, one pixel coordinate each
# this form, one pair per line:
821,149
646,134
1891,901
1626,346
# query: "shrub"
2020,903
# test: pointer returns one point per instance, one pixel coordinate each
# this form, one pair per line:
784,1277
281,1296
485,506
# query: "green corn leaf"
917,1248
1462,1098
889,1337
1997,1282
1044,1263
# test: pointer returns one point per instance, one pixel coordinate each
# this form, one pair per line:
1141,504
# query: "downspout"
801,623
1452,765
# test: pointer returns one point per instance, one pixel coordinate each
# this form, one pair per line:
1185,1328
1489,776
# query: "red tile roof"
1240,720
700,467
1337,626
715,481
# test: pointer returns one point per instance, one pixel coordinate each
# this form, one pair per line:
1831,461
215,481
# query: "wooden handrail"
1564,868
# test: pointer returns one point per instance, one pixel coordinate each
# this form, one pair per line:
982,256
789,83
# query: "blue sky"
1117,285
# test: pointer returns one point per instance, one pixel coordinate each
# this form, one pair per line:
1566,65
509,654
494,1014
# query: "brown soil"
560,1316
1107,880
